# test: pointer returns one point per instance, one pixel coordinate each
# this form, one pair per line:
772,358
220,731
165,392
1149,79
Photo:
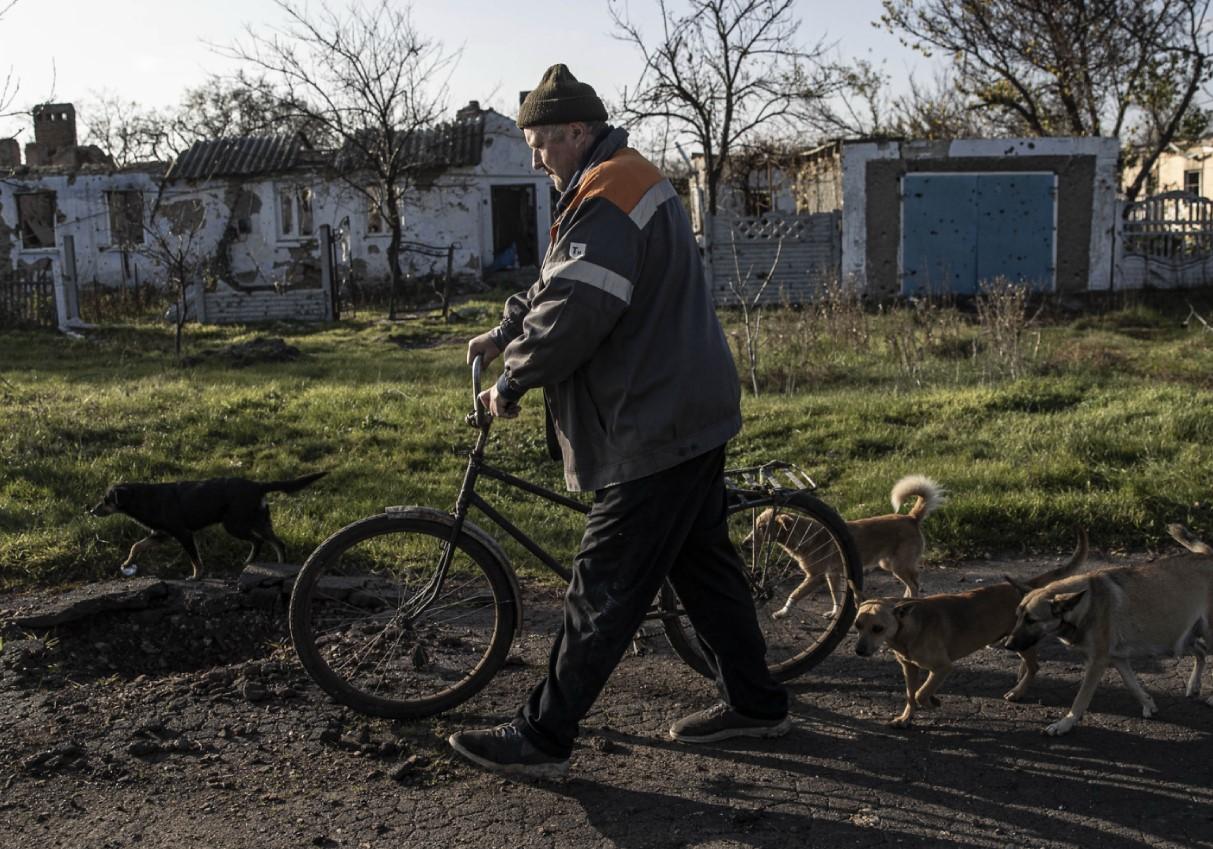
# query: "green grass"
1111,427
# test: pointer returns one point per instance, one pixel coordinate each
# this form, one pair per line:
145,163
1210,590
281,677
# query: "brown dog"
933,633
1115,615
893,542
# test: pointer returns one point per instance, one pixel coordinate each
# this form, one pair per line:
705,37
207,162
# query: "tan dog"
1161,609
933,633
893,542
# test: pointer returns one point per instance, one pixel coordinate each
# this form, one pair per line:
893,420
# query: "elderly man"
642,395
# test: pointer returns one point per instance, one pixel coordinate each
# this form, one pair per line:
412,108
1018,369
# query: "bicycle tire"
357,638
809,631
678,631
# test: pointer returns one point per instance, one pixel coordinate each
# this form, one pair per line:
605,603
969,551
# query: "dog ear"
1021,586
904,608
1066,602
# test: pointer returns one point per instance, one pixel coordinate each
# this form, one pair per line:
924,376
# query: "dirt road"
197,728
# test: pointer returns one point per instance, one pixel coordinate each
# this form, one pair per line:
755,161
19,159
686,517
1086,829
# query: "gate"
27,297
959,230
1168,241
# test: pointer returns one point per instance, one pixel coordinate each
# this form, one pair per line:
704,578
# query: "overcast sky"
152,50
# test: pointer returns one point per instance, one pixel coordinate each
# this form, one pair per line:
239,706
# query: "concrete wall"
744,250
1086,200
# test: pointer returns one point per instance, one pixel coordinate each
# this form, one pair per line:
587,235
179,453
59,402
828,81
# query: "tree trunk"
393,265
180,311
391,214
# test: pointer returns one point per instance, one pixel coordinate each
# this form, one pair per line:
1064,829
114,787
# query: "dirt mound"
263,349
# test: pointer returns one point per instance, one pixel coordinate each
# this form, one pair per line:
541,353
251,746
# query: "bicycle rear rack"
770,477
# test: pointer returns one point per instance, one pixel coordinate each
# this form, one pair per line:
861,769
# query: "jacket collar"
612,140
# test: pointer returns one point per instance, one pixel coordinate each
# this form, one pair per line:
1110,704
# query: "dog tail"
1076,559
1189,540
292,485
930,495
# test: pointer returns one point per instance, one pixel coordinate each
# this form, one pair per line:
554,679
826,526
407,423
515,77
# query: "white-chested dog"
1161,609
930,634
893,542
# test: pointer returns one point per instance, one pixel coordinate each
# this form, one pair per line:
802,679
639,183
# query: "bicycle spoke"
384,631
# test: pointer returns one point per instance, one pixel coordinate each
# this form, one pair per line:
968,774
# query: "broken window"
36,219
757,201
126,217
374,211
287,204
1192,182
295,205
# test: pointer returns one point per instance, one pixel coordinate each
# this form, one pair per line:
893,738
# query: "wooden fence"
27,298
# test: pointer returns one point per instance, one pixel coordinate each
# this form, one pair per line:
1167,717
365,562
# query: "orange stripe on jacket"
623,180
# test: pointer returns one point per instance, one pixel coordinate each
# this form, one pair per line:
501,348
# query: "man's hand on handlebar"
497,405
483,345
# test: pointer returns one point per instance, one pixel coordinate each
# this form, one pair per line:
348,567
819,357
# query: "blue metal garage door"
959,230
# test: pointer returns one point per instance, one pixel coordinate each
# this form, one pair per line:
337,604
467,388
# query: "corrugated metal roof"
237,157
456,144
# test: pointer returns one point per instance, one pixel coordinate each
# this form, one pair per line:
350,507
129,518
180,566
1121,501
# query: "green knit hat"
560,99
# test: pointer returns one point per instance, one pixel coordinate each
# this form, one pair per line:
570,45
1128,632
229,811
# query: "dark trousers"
670,523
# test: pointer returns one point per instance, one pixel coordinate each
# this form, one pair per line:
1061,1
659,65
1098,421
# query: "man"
642,394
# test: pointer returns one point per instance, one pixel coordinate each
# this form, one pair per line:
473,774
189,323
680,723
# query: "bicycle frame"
746,485
468,498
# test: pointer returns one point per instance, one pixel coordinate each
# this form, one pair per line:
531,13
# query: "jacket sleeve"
585,285
516,308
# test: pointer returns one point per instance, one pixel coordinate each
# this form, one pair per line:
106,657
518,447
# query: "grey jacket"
620,330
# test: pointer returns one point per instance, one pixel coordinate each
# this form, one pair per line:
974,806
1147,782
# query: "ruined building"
261,202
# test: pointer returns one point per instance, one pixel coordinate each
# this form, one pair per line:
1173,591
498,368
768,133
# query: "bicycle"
412,611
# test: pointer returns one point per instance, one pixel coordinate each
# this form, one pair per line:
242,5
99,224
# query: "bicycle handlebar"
479,417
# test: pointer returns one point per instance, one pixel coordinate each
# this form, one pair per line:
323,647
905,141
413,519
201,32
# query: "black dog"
176,510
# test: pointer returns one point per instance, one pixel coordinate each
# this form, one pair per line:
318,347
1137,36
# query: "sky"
150,51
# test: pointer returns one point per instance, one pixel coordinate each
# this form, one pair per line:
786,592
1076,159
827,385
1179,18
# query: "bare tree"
863,105
240,105
371,81
125,130
748,293
174,228
866,106
722,71
11,84
1070,67
939,110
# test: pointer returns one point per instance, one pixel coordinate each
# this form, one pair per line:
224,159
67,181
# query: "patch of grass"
1111,430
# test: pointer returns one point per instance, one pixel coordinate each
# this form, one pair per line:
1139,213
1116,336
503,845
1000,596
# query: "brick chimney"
55,125
54,133
10,153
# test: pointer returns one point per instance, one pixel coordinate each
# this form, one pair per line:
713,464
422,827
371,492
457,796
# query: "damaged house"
274,218
901,218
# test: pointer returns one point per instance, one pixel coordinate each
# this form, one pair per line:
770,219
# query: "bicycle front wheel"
377,631
804,572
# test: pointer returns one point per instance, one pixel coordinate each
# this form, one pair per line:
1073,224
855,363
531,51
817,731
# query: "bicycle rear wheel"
373,630
804,572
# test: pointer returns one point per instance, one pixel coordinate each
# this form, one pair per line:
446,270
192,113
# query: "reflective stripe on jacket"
620,329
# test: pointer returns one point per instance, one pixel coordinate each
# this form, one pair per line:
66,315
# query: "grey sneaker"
507,751
721,722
